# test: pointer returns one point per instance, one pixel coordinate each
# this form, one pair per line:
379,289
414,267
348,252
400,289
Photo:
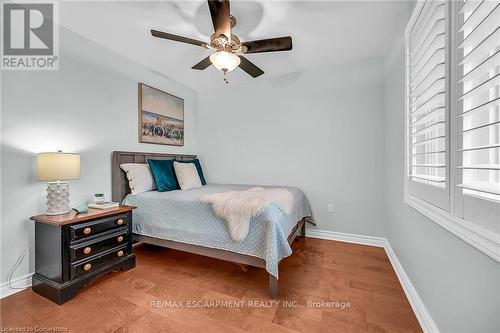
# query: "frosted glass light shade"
225,61
58,166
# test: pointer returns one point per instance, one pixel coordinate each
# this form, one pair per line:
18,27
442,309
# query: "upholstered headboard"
119,182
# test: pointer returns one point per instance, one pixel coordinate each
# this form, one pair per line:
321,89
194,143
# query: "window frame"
482,239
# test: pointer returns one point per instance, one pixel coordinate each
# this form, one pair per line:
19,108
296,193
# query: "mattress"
180,216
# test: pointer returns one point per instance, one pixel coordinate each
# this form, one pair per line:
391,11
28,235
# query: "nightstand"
72,250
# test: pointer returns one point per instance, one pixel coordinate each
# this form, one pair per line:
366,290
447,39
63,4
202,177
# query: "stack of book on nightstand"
104,205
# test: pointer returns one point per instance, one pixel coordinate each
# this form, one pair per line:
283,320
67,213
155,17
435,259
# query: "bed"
179,220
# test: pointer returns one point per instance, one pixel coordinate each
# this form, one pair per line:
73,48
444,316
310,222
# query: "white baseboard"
418,306
348,238
22,281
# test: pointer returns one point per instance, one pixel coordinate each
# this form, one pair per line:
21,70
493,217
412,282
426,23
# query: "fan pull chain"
225,77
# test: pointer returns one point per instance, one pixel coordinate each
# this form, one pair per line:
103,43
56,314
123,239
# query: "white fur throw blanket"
238,207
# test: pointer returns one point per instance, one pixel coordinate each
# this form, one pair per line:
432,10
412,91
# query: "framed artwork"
161,117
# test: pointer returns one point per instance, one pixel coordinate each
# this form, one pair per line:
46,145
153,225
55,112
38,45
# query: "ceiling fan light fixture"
225,61
230,52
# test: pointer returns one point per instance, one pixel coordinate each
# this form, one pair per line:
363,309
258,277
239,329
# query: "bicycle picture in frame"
161,117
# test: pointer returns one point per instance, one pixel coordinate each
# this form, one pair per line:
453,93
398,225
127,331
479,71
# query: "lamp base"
57,198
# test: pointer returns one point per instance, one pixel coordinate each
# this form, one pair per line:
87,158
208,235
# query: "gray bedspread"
180,216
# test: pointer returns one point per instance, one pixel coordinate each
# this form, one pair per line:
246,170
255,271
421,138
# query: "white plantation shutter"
453,118
478,112
427,106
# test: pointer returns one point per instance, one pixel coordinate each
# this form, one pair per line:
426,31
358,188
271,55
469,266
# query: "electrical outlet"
330,207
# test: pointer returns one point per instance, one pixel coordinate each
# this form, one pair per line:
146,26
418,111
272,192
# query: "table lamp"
57,168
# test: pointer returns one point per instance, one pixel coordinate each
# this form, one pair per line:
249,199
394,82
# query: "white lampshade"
225,61
58,166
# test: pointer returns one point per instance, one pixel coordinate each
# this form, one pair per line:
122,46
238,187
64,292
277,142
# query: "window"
453,118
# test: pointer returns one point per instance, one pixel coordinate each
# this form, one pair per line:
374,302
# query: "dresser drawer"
95,246
92,228
86,266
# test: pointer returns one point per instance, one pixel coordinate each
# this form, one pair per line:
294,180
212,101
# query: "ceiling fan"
229,50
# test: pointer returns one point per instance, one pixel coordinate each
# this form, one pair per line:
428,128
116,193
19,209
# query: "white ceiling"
324,33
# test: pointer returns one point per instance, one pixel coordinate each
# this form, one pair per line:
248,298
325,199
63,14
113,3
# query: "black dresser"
73,250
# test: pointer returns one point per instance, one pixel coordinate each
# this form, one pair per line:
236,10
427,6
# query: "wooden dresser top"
72,217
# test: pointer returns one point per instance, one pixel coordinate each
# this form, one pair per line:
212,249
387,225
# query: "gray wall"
88,106
319,130
459,285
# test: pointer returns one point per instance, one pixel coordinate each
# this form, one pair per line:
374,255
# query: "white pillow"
139,177
187,176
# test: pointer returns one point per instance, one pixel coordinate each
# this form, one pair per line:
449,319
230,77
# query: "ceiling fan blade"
166,35
269,45
221,17
202,64
250,68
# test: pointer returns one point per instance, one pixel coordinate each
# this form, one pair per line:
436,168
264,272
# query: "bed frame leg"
303,229
273,286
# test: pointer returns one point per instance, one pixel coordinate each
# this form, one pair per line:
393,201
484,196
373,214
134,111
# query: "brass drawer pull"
119,239
120,253
87,250
87,267
87,230
119,221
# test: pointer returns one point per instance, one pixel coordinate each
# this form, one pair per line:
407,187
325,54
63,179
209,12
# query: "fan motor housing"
221,43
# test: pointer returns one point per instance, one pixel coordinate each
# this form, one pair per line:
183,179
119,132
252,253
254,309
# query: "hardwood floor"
318,271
